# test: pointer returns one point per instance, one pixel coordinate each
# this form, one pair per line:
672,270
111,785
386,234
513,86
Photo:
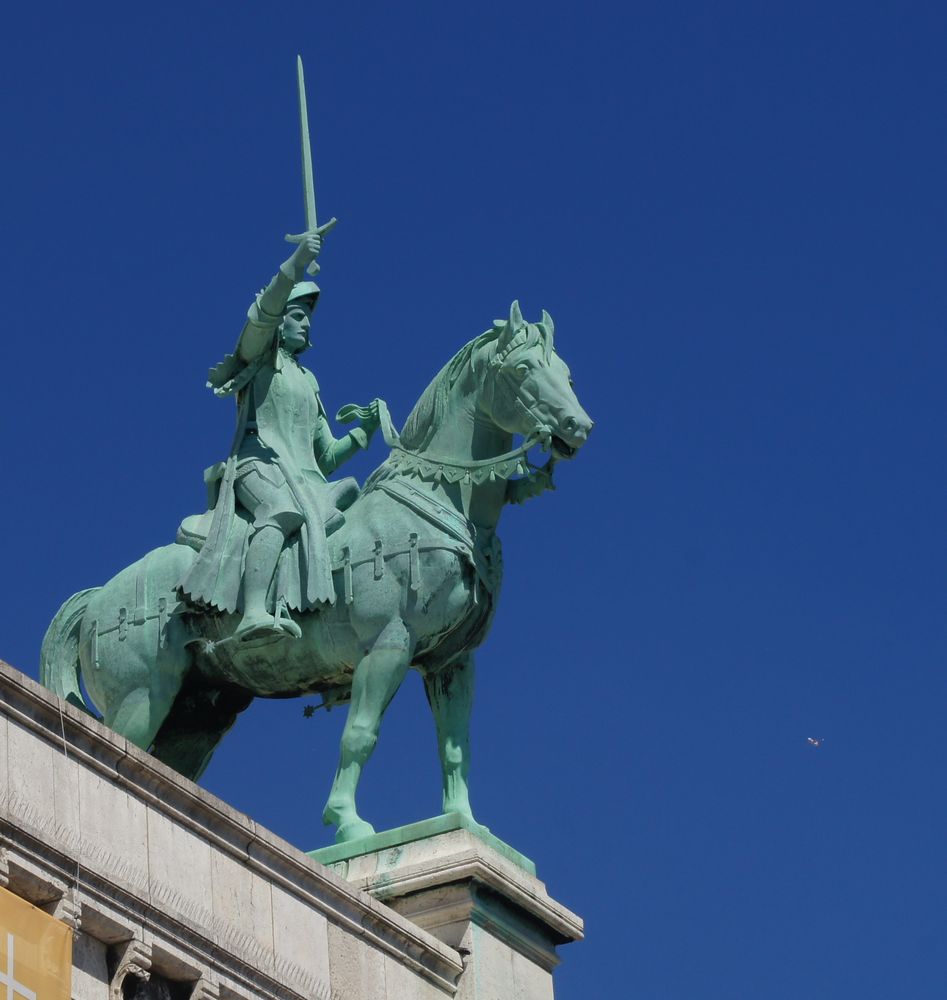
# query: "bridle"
476,471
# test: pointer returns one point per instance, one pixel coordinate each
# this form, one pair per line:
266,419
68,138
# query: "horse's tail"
59,658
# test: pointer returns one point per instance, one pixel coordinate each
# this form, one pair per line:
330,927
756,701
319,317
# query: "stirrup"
261,628
284,621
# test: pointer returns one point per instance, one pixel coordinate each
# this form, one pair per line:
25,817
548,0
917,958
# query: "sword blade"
309,189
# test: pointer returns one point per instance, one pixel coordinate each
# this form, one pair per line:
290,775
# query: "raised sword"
309,188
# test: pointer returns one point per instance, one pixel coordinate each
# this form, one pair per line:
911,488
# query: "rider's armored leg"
262,558
263,491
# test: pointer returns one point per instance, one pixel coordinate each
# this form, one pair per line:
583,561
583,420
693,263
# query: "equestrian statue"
294,584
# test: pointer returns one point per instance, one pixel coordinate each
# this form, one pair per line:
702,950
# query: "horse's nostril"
570,423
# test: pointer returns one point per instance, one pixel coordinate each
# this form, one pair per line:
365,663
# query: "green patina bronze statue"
290,584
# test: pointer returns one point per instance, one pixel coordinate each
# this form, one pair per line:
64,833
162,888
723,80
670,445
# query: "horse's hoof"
470,822
355,830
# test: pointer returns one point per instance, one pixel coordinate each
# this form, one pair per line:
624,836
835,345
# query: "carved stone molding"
132,958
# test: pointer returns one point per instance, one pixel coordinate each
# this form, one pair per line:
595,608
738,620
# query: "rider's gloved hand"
371,421
307,250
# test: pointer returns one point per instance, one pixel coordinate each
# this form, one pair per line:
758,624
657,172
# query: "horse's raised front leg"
376,679
450,694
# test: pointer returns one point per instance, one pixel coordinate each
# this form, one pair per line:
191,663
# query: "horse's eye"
521,370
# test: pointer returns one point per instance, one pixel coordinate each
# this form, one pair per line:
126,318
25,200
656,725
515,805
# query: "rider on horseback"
273,506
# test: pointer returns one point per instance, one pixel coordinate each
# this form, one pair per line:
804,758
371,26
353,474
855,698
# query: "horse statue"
416,568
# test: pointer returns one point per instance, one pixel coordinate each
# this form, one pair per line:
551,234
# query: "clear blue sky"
736,214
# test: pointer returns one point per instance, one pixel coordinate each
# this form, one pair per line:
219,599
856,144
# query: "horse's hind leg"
196,724
141,711
376,679
141,677
450,695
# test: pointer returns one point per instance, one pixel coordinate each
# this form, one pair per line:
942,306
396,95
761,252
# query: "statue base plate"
426,828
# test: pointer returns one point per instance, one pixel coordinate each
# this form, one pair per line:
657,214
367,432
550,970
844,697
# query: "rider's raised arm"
264,316
263,319
266,313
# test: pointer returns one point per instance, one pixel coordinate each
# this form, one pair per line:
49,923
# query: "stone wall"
166,883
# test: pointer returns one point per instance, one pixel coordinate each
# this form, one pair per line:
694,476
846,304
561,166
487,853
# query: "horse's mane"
429,409
426,416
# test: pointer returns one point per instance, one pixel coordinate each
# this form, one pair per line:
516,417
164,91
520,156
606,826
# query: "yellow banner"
35,952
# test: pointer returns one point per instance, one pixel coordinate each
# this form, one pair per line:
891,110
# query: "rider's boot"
263,554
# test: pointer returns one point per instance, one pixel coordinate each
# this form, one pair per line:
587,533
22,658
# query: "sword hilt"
313,267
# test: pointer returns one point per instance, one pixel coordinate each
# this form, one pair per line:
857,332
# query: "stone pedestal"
471,891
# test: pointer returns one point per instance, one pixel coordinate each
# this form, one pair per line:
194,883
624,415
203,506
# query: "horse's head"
527,388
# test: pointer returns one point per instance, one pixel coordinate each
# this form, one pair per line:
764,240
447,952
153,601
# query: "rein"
431,467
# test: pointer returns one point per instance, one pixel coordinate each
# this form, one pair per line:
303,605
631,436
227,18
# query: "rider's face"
294,332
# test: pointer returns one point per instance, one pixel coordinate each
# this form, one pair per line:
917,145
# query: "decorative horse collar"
440,469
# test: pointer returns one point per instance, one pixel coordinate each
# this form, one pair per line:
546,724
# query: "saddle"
340,495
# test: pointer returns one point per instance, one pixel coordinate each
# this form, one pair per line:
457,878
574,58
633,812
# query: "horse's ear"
510,327
548,324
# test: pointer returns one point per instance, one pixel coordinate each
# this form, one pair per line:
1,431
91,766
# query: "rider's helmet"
306,292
